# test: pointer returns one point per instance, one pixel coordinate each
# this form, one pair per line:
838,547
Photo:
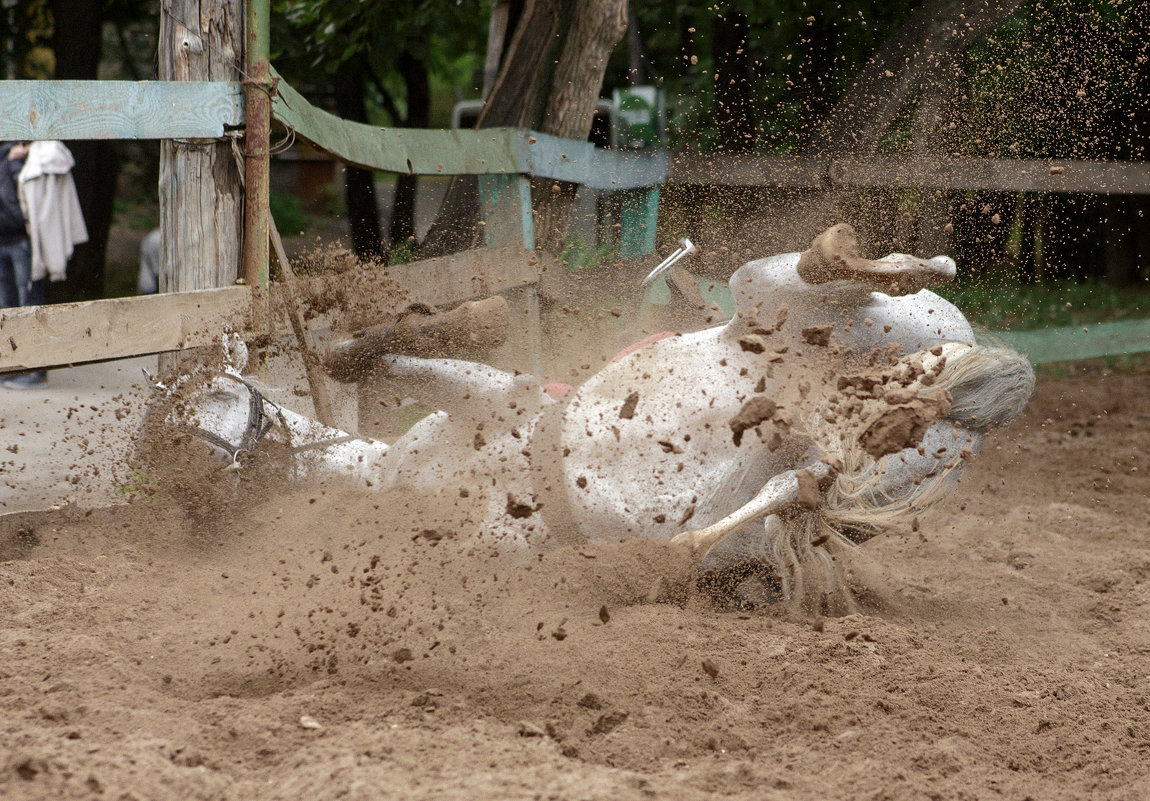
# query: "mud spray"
241,635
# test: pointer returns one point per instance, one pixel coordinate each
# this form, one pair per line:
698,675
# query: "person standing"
16,285
52,225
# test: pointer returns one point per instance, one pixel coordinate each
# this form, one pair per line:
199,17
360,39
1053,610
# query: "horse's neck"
226,412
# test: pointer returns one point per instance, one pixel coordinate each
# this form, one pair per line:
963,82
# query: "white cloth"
51,207
148,280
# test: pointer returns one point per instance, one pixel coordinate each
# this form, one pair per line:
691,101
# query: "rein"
259,423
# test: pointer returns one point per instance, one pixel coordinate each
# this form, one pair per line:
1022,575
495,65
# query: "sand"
315,643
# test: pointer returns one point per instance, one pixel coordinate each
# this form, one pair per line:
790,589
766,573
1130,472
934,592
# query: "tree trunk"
497,30
418,88
201,195
1120,250
816,65
520,88
362,211
1072,238
550,80
595,30
77,42
636,60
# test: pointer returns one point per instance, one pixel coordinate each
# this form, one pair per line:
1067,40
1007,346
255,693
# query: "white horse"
841,395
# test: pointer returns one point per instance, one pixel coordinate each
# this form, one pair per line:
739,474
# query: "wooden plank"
32,110
97,330
407,150
714,169
489,151
996,175
638,222
73,333
583,163
1081,342
471,274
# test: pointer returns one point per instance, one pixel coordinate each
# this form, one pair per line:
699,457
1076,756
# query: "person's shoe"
25,381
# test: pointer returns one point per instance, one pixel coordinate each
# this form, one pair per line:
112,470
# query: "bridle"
258,424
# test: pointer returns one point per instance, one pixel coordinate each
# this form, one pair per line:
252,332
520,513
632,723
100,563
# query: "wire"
283,144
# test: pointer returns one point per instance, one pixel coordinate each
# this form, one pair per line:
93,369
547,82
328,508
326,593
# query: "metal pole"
257,96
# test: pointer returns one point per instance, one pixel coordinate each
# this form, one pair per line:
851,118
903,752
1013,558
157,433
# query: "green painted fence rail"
1043,346
188,109
32,110
910,171
593,167
400,150
488,151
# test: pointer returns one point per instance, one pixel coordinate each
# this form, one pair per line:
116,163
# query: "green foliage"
311,39
139,484
403,253
801,54
579,255
26,40
288,212
1063,80
139,214
1012,305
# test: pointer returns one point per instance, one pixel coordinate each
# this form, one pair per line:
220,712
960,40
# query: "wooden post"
201,196
638,222
505,208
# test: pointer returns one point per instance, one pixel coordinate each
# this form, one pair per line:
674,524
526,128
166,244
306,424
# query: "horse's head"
223,411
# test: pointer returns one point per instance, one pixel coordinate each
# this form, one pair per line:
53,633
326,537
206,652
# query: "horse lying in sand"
842,394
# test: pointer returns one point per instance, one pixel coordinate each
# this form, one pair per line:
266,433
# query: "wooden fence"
505,159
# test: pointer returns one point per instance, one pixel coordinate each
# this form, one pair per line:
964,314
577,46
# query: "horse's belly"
653,478
648,443
485,472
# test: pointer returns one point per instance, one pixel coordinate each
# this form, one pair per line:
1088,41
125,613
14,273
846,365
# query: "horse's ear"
156,386
235,352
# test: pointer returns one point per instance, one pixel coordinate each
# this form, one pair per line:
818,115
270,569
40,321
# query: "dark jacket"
12,227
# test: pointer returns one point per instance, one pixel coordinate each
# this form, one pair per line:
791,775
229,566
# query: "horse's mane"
989,386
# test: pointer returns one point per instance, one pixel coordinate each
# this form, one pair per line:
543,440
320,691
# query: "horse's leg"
794,487
833,256
466,390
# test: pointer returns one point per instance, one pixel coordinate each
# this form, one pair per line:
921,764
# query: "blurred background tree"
384,62
1058,79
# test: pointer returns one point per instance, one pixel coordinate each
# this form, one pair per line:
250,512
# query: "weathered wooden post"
201,194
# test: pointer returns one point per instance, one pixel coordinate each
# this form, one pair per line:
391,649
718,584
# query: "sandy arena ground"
321,644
